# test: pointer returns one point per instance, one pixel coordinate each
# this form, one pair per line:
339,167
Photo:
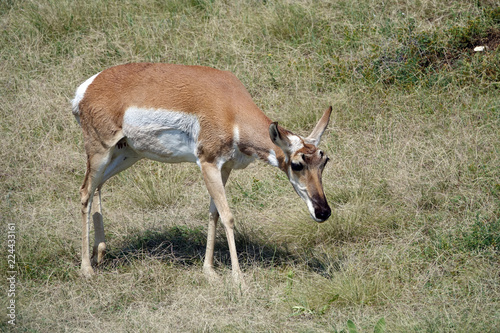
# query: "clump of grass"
482,235
430,57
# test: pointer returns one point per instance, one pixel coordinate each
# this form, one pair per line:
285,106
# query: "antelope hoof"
98,253
87,271
210,274
239,281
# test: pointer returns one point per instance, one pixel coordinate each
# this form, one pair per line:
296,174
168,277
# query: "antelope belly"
162,135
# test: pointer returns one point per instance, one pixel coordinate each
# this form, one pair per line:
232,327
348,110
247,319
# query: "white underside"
162,135
172,137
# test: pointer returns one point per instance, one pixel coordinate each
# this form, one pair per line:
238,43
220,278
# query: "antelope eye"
297,166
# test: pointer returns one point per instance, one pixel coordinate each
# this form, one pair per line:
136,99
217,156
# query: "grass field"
414,178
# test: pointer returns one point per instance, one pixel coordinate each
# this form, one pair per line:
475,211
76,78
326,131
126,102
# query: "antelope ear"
320,127
279,137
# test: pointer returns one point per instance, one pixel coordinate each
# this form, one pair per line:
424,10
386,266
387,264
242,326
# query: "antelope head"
304,164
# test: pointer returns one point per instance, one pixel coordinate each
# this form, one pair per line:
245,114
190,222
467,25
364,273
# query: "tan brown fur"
217,97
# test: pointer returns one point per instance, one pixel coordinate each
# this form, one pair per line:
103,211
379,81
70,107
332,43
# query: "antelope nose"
323,213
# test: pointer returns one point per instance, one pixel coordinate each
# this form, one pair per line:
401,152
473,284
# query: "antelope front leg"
215,185
99,249
208,265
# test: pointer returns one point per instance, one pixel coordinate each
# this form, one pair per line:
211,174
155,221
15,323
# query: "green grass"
413,241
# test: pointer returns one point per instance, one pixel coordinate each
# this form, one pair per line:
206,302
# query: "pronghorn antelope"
175,113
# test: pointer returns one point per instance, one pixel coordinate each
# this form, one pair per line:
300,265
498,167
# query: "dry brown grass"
413,178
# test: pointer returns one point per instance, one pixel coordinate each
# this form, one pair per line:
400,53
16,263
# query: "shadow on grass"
180,245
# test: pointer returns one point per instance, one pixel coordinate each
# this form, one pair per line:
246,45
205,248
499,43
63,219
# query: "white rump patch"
80,92
162,135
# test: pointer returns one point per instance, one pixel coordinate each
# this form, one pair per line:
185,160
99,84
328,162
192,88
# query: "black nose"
323,213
